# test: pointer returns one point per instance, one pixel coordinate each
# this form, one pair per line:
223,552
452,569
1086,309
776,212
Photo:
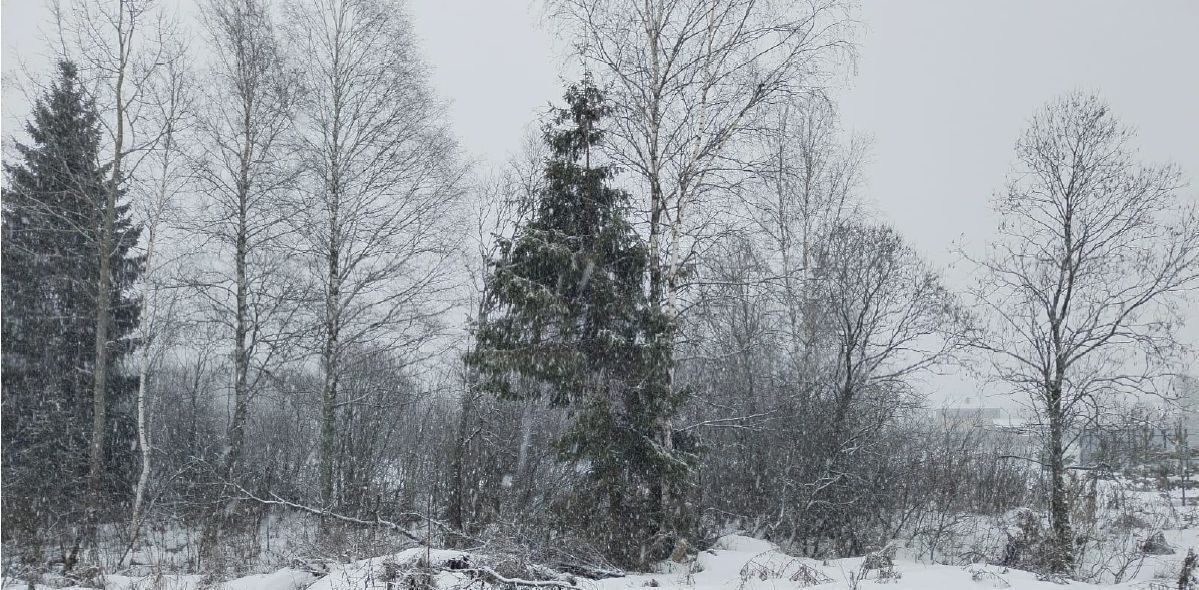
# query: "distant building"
1153,436
985,418
1145,436
968,417
1124,446
996,425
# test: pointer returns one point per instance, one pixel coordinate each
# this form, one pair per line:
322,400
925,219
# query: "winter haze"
600,294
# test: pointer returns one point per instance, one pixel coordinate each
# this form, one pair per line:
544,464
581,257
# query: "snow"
735,563
731,566
371,573
1128,515
284,579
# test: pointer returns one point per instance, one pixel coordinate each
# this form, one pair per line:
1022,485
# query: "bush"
1026,541
1156,544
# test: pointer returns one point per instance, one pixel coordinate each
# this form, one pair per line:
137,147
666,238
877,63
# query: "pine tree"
568,317
51,214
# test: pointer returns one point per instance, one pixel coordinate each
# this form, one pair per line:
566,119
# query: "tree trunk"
1062,558
104,312
241,402
328,414
329,363
143,375
457,500
143,443
526,438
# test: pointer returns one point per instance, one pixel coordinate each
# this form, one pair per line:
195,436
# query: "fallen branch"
587,571
491,577
377,522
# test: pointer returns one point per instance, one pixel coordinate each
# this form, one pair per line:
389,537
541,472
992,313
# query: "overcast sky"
943,88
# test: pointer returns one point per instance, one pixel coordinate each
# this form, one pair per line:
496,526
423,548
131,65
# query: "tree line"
270,283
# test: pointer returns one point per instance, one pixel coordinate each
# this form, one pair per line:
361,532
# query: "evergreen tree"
52,207
568,317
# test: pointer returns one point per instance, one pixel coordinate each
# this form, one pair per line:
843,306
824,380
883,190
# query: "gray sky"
944,88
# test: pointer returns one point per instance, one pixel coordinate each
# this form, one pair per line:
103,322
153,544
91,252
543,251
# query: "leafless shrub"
987,577
773,566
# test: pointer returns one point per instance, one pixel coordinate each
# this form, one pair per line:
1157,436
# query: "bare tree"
1081,288
807,181
804,443
688,80
118,44
888,318
384,183
247,173
760,311
882,318
171,94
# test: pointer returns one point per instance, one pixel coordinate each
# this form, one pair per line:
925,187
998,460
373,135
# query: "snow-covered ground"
1125,513
735,563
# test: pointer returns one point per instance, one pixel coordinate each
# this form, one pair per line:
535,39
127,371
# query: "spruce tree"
568,317
52,206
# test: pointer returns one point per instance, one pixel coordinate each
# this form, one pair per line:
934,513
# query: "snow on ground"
735,563
742,563
284,579
738,562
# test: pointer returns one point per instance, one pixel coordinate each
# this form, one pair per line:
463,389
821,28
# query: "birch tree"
1081,289
171,93
688,81
117,44
247,170
381,195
